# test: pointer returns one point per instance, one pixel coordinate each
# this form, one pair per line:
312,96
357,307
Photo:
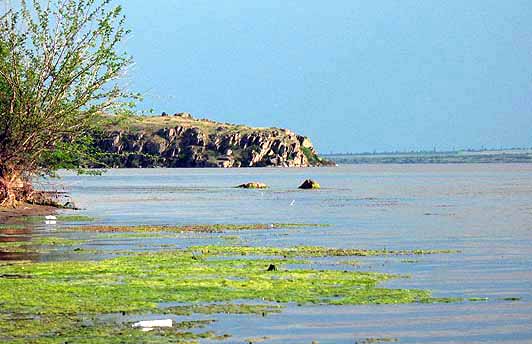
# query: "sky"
353,75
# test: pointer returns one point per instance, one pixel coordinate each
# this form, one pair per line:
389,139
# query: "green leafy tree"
60,70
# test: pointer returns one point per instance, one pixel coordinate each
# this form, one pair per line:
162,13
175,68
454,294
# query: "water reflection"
16,235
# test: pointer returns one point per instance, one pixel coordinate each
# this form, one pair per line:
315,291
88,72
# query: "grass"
154,123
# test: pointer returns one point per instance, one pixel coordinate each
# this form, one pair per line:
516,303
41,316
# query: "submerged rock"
253,185
310,184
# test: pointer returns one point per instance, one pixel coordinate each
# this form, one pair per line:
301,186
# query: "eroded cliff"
182,141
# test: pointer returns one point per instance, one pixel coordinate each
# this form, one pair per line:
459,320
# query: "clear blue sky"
352,75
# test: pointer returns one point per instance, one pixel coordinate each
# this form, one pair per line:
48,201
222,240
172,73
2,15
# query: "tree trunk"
14,189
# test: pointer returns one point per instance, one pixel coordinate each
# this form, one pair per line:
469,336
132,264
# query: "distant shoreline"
452,157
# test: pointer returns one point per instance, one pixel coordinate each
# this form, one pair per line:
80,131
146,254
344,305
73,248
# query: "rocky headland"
180,140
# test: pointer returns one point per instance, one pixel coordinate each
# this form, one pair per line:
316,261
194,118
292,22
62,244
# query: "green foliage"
310,155
74,154
60,66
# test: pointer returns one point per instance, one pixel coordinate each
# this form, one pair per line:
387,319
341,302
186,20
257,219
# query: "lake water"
484,211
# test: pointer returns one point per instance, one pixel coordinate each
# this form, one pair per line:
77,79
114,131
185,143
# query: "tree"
60,69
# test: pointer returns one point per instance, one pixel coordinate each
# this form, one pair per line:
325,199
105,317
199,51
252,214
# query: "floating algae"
138,283
205,228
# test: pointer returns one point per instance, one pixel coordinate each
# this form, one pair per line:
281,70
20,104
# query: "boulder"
309,184
253,185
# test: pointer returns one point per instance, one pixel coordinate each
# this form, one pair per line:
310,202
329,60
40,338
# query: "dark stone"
309,184
272,267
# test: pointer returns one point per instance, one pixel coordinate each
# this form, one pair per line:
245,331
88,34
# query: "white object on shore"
50,222
50,217
148,325
292,203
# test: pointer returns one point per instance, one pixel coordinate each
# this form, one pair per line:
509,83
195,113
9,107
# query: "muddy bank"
9,215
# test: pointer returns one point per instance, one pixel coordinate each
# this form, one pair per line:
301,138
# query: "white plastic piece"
148,325
50,217
50,222
292,203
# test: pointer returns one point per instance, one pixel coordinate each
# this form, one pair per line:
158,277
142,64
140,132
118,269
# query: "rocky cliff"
182,141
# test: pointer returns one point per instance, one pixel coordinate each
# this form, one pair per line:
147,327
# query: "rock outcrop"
182,141
310,184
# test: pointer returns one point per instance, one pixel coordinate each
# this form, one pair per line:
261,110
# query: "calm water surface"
485,211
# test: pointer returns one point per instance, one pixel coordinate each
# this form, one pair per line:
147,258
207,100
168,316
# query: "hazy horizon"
353,76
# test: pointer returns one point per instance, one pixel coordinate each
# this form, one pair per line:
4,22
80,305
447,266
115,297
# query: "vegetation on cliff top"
149,123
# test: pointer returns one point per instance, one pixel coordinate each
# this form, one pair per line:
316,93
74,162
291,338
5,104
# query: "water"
485,211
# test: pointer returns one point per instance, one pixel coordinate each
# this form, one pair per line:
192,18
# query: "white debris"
50,217
292,203
50,222
148,325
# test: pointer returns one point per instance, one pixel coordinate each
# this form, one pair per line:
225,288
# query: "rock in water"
253,185
309,184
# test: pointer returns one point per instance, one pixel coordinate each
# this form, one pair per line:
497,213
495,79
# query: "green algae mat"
78,302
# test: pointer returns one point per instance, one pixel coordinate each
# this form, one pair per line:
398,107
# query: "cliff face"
182,141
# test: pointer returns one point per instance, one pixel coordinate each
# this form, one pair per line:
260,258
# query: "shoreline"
9,215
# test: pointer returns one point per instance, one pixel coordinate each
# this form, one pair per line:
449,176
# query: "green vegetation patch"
207,228
41,219
74,218
7,226
226,308
38,244
63,329
312,158
58,301
307,251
